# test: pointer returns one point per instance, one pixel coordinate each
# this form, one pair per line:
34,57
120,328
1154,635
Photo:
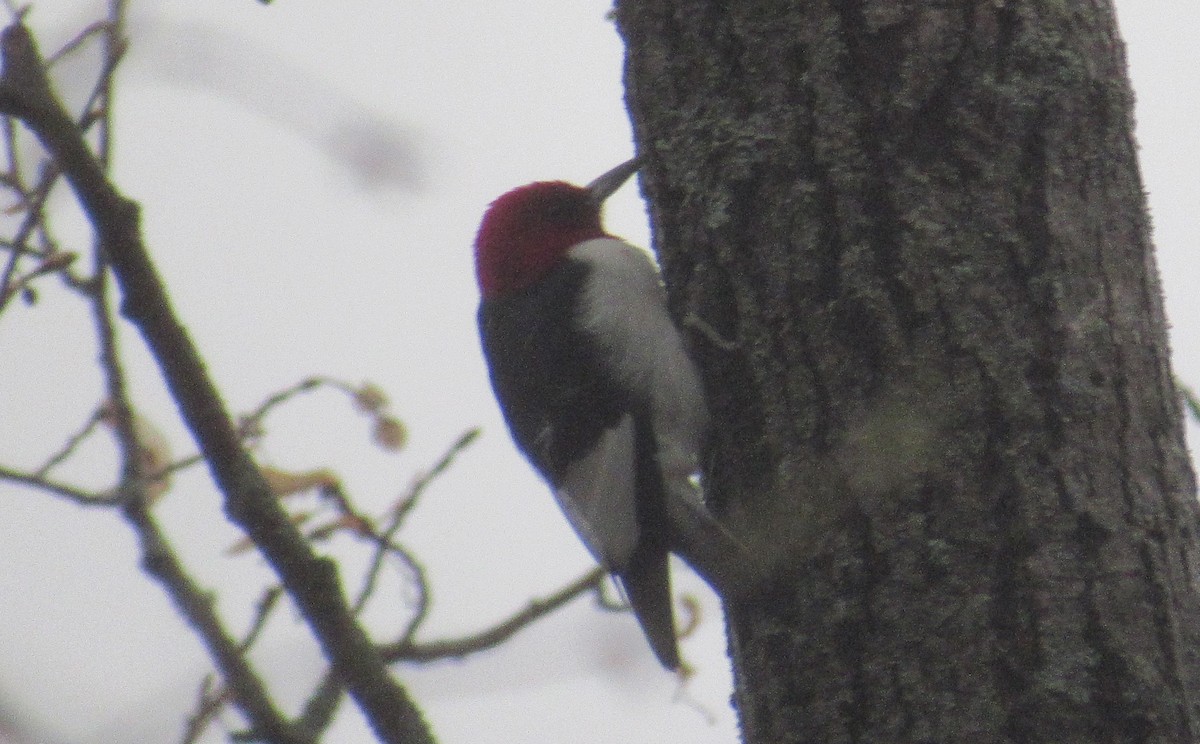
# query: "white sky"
239,127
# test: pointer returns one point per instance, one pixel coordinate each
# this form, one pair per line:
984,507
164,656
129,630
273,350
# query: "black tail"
647,585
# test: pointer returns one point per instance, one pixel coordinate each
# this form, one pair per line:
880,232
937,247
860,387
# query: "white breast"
625,306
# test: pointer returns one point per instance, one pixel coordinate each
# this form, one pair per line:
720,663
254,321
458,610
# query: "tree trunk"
910,245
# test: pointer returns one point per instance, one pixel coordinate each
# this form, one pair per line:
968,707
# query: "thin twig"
267,603
418,488
323,702
210,702
213,698
313,582
114,52
411,651
71,493
405,506
252,422
69,446
35,200
182,463
7,289
197,606
88,31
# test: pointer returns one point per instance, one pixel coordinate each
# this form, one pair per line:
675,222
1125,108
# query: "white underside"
624,306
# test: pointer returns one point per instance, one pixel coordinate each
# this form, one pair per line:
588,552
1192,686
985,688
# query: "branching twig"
421,603
158,559
411,651
196,606
35,200
69,446
401,511
214,697
323,702
211,701
252,422
71,493
262,612
313,582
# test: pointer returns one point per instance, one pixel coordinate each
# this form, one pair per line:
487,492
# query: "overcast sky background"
312,174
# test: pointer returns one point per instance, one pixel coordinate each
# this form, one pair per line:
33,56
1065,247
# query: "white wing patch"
599,498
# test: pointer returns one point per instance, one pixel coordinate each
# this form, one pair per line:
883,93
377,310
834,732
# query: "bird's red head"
525,232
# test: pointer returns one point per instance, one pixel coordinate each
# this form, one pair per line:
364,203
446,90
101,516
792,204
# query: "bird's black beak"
604,186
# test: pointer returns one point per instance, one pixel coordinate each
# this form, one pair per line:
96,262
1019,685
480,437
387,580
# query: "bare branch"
323,702
268,602
213,698
71,493
93,29
385,541
410,651
210,702
160,561
69,446
313,582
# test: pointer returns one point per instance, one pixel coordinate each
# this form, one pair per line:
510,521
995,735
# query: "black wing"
555,398
567,414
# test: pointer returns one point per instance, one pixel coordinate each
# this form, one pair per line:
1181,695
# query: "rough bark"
910,240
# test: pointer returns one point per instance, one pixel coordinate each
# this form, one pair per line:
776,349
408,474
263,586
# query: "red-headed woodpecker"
598,390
